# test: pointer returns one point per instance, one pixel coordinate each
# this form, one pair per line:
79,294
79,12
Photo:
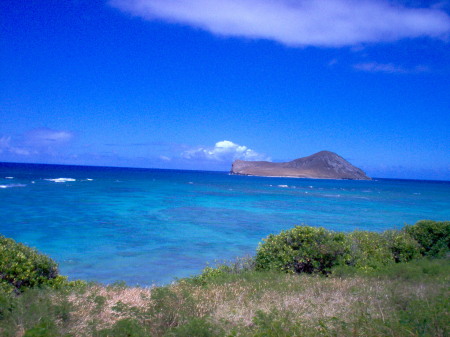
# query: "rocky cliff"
321,165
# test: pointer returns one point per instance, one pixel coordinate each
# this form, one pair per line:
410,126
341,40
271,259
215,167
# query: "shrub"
124,327
369,250
433,236
302,249
45,328
402,245
223,270
23,267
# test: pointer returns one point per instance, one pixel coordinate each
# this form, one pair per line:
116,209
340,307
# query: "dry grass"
96,306
309,299
233,302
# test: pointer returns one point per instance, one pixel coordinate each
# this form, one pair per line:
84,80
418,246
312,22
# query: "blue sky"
195,84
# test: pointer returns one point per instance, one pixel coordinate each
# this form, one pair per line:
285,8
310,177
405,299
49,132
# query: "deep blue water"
146,226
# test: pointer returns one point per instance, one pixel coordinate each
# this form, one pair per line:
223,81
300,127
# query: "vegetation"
433,236
305,282
303,249
22,267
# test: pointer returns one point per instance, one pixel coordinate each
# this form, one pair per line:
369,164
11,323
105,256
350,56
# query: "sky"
196,84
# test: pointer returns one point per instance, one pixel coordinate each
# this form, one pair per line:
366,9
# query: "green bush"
369,250
303,249
402,245
123,328
433,236
45,328
311,249
23,267
223,270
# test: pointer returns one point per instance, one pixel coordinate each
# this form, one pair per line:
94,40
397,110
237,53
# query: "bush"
45,328
369,250
433,236
311,249
303,249
402,245
23,267
122,328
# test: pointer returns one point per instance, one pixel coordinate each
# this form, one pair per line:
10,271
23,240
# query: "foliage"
303,249
223,270
45,328
433,236
402,245
369,250
123,328
198,327
23,267
383,288
311,249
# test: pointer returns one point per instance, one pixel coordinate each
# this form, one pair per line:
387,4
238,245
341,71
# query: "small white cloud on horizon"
165,158
298,23
224,151
388,68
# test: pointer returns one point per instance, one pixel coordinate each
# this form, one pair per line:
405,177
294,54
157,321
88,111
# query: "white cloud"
224,151
329,23
165,158
388,68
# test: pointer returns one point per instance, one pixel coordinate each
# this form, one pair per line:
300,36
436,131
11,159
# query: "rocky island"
321,165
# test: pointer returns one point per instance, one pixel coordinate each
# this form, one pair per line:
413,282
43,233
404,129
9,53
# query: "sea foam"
61,180
12,185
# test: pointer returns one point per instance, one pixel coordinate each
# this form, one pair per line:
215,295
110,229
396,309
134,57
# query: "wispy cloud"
34,142
7,146
329,23
223,151
388,68
45,137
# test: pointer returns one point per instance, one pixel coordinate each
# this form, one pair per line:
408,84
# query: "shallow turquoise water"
147,226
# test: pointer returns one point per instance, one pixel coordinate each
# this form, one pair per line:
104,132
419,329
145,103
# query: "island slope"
321,165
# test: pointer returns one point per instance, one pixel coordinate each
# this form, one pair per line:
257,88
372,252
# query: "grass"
404,299
303,282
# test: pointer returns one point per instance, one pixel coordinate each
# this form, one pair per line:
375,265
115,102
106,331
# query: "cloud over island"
323,23
225,151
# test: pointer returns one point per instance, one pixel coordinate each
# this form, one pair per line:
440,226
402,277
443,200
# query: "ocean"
151,226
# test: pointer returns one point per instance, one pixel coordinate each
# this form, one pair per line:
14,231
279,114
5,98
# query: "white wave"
61,180
9,177
284,186
12,185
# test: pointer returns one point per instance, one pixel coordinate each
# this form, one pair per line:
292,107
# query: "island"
321,165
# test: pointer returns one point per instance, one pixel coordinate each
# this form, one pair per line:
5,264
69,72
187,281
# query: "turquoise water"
145,226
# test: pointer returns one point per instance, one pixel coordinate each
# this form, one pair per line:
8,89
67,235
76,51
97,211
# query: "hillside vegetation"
306,281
